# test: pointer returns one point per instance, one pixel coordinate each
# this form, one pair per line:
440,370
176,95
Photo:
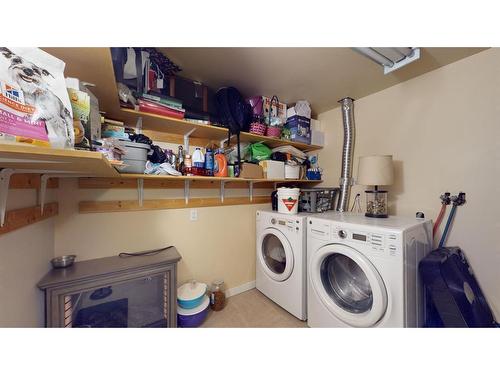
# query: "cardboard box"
249,170
273,169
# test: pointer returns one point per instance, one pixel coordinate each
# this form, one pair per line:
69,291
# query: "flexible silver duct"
347,107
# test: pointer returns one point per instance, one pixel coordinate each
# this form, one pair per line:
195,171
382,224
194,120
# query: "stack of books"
161,105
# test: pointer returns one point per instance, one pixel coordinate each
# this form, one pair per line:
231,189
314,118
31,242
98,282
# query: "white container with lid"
190,295
288,200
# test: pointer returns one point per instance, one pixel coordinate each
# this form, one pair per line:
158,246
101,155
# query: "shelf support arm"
4,191
186,139
138,125
222,190
250,190
186,191
44,178
140,191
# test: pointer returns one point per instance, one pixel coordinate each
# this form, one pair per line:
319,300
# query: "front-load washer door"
348,285
275,254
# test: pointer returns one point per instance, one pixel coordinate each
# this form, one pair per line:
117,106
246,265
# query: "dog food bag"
34,103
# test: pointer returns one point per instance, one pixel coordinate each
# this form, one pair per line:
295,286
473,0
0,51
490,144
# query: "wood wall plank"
15,219
162,204
127,183
30,181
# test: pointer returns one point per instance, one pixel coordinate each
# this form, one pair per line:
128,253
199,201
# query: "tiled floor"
252,309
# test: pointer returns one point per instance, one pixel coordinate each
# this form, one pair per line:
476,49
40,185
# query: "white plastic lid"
191,290
187,312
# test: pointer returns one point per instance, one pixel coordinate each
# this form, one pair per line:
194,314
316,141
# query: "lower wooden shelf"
162,204
129,181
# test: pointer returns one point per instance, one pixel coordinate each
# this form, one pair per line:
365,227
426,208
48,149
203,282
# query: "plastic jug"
220,164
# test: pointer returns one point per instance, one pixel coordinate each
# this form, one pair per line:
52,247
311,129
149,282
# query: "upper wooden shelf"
49,160
95,65
171,125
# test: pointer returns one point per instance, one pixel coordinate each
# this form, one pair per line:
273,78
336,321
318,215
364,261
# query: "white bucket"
288,200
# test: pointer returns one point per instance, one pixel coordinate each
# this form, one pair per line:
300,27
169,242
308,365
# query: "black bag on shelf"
234,113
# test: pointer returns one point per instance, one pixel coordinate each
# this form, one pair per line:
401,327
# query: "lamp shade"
375,170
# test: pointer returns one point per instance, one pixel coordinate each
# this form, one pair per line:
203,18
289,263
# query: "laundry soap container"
288,199
190,295
192,318
135,157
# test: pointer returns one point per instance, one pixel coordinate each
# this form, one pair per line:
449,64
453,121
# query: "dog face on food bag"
41,94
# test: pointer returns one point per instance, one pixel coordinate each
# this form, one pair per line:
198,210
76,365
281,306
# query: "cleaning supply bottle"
220,164
179,163
198,162
188,166
209,162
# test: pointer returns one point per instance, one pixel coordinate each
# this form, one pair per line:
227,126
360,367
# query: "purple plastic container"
192,318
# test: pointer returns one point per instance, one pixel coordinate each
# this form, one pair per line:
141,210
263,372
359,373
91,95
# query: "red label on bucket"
289,203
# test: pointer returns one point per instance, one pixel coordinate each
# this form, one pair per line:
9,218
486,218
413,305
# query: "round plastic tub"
192,318
190,295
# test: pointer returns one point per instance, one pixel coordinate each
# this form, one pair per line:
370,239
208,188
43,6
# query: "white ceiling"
320,75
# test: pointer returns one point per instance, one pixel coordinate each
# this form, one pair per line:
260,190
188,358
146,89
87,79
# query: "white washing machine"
363,272
281,260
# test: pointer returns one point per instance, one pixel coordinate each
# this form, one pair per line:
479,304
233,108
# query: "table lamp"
376,170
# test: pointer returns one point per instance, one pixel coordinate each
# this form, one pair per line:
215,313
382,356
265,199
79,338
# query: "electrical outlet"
193,215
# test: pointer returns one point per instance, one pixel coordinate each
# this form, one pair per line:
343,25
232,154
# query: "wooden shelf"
95,65
49,160
171,125
129,181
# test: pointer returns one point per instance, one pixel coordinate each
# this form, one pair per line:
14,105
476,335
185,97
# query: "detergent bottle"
220,164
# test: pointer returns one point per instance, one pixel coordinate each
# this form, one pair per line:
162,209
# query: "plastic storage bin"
135,157
192,318
317,199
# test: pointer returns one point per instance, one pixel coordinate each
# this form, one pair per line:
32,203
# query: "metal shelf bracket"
186,139
140,191
222,190
4,191
186,191
138,125
250,190
44,178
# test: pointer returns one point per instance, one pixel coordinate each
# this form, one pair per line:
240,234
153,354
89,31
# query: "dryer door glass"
273,253
346,283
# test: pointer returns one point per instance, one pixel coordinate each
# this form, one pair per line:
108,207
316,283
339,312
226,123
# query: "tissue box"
249,170
317,138
273,169
300,129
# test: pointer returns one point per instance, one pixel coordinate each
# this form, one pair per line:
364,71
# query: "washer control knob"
273,221
342,234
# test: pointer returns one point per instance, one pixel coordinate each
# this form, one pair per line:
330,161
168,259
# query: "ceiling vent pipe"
391,58
347,107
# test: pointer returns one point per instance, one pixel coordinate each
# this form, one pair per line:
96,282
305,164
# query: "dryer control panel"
283,223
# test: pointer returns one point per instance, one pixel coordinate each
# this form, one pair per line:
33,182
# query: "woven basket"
273,131
258,128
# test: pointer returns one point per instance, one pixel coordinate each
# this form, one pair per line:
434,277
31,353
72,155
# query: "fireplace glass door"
140,302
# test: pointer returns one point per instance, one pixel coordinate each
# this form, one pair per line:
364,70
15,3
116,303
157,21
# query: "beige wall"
220,244
24,259
443,130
